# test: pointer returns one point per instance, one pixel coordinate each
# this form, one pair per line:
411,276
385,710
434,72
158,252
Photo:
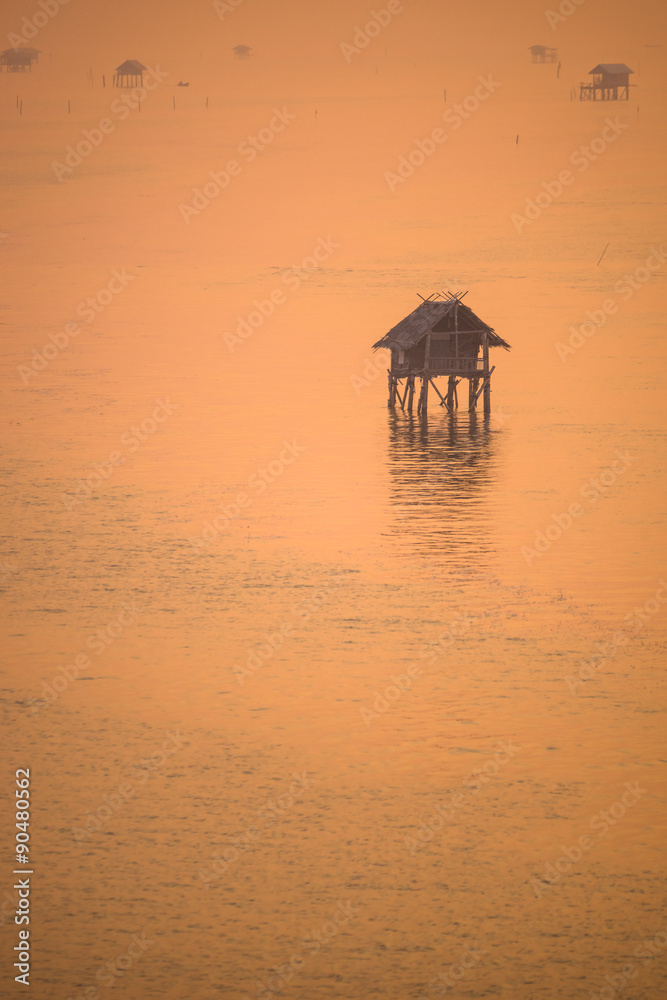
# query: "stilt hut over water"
241,51
18,60
129,74
542,54
611,82
442,337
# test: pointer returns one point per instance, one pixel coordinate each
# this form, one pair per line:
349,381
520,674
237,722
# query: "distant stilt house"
611,82
18,60
241,51
129,74
542,54
441,337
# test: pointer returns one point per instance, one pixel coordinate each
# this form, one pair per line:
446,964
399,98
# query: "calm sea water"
292,692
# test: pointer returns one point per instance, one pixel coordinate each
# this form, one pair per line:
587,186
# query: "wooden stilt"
411,391
390,386
472,394
487,374
425,381
487,396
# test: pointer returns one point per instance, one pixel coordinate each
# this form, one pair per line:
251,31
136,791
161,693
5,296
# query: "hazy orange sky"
302,39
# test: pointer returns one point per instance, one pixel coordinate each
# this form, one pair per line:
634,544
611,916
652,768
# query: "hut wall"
454,345
415,355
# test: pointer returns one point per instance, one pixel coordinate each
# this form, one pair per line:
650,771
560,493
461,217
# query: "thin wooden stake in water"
21,108
104,81
174,100
517,141
207,102
603,253
445,95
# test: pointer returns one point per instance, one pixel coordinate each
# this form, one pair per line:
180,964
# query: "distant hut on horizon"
18,60
440,337
129,74
241,51
542,54
611,82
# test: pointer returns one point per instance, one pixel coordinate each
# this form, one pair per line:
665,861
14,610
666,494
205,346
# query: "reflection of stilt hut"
129,74
541,54
18,60
440,474
611,82
441,337
241,51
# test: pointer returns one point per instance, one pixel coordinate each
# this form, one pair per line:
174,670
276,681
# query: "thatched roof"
426,317
130,67
611,68
19,57
31,53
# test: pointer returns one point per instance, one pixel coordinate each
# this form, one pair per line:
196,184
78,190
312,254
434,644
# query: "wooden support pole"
452,400
425,381
472,394
487,374
390,388
411,391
